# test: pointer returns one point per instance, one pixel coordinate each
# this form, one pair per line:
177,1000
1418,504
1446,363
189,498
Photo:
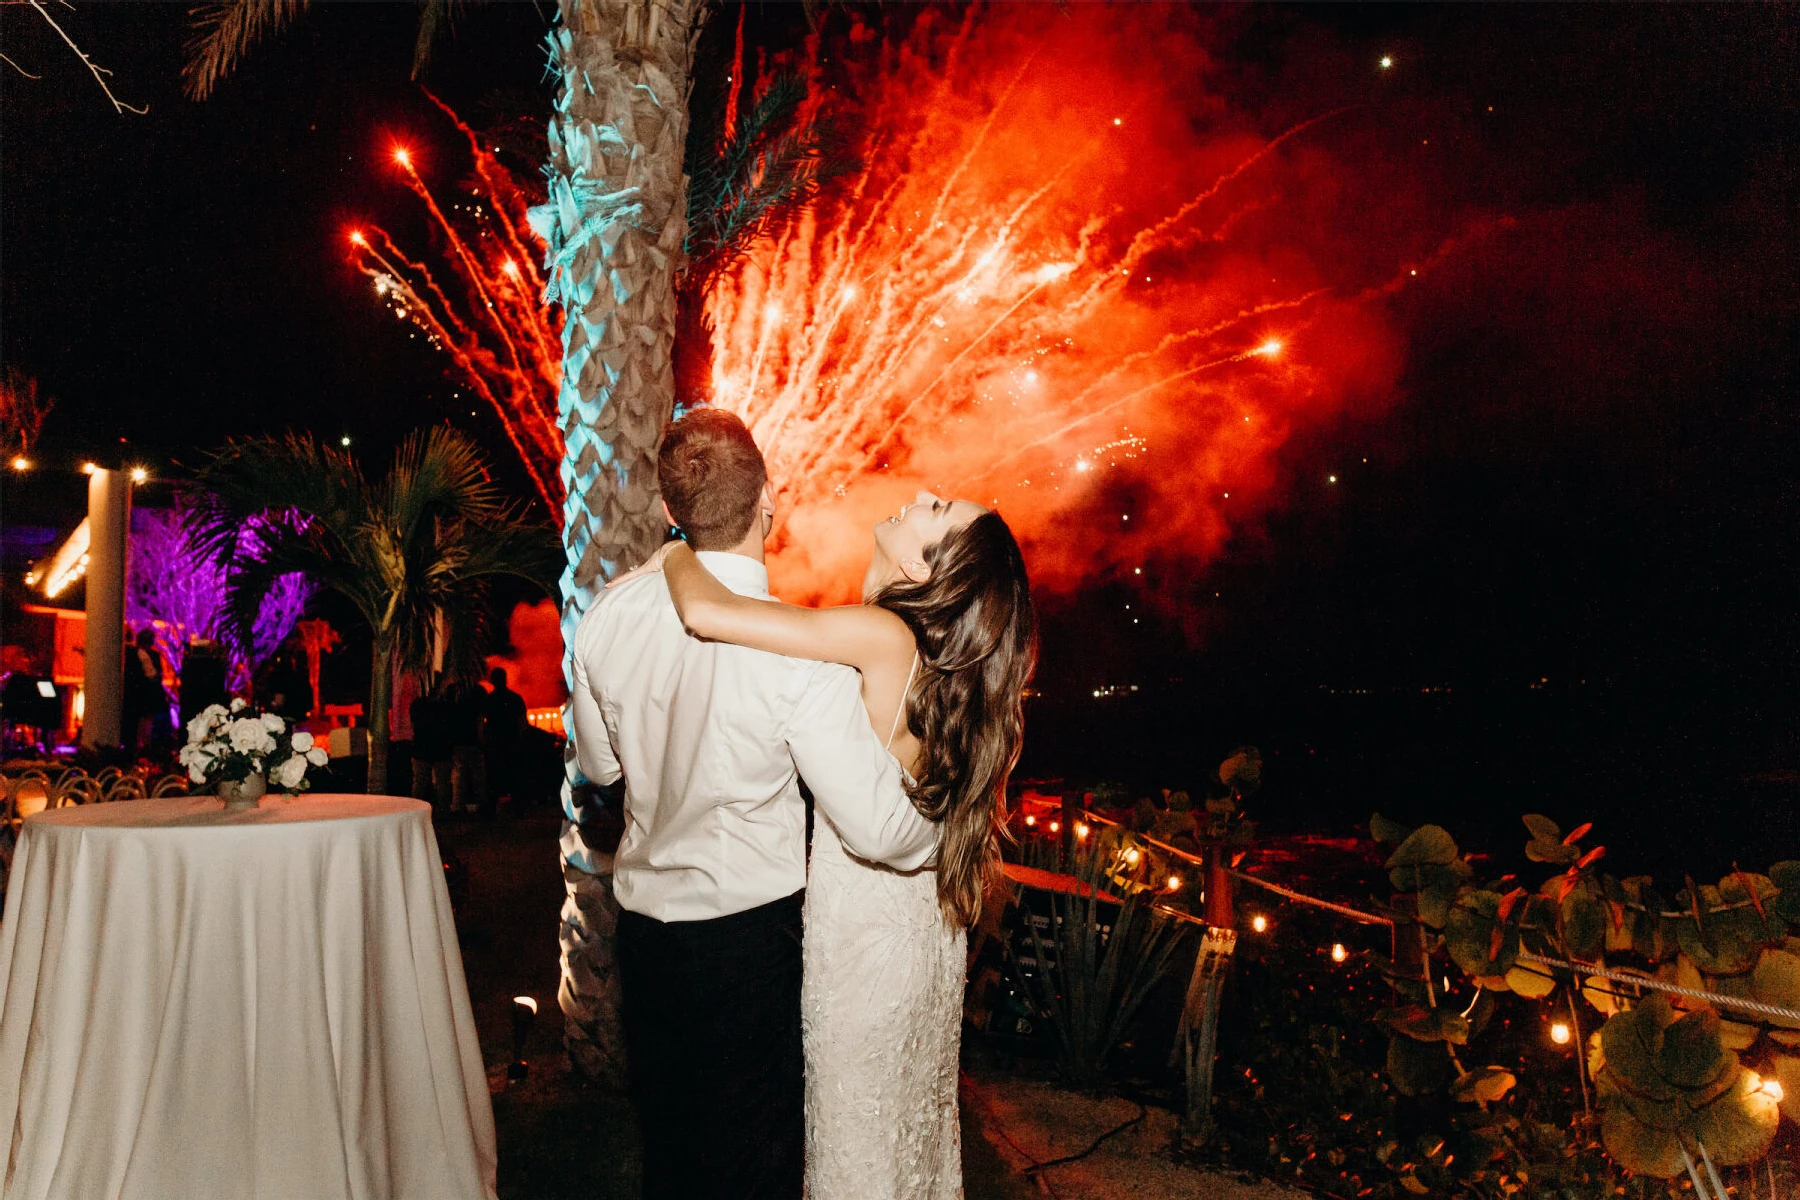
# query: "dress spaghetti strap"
901,711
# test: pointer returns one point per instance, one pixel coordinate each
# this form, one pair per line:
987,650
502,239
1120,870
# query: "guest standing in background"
502,728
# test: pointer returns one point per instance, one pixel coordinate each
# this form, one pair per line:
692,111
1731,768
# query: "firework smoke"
1057,288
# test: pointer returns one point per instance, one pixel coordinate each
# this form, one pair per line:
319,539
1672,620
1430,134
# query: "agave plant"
1093,982
413,552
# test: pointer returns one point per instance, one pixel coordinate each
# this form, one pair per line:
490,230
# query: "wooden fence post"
1072,808
1198,1036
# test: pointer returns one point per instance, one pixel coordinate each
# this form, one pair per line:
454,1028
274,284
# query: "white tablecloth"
211,1006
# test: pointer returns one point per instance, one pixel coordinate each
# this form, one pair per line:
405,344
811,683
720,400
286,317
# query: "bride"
945,639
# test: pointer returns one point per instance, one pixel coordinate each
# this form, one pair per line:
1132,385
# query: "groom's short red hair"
712,477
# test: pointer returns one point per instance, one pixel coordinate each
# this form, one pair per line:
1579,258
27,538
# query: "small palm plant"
413,552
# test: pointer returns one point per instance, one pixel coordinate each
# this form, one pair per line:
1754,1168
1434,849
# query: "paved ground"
561,1139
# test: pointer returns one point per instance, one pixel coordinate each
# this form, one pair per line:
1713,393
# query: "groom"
712,867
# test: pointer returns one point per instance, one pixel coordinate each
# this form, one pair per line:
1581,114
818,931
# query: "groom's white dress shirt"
708,737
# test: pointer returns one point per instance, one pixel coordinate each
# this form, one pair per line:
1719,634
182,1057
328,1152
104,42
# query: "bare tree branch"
15,66
100,72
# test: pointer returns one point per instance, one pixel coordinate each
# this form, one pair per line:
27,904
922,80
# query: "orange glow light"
1259,923
403,156
1560,1034
1338,953
1056,827
1030,820
357,239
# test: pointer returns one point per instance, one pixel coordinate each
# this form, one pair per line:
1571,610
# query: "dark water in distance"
1682,785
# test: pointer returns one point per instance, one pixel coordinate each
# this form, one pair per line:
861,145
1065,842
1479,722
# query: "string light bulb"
1259,923
1056,827
1560,1033
1081,830
88,468
1769,1087
139,474
1174,883
21,463
1338,953
1132,856
1030,820
403,157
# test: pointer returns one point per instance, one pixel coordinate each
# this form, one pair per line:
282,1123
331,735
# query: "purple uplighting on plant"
181,595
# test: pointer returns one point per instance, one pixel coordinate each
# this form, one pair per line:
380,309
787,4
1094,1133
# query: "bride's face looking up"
902,539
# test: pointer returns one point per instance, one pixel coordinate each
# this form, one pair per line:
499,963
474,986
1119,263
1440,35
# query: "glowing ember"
1026,299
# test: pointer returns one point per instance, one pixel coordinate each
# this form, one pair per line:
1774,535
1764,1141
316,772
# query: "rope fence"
1720,1000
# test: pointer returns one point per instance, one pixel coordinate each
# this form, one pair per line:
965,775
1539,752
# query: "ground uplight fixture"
524,1013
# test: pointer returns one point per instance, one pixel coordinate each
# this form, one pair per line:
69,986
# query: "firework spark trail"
1019,263
503,341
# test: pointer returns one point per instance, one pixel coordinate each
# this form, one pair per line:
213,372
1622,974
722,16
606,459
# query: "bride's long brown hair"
977,636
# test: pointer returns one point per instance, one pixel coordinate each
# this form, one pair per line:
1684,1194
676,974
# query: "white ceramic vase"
241,794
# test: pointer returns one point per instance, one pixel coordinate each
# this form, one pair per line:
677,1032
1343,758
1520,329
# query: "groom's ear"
767,508
668,517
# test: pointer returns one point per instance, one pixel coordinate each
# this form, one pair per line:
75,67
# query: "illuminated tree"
413,552
172,586
615,222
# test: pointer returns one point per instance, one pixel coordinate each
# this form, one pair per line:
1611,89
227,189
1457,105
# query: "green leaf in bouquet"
1546,844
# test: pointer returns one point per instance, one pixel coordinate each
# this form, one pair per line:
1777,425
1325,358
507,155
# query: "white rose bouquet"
238,742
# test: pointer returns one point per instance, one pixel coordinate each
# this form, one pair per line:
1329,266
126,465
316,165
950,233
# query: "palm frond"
436,18
224,33
767,169
438,471
253,477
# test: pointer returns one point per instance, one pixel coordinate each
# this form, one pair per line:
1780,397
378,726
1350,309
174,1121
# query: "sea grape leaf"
1416,1068
1786,877
1584,921
1738,1126
1485,1084
1636,1146
1388,833
1776,980
1469,935
1785,1070
1424,1024
1425,846
1531,984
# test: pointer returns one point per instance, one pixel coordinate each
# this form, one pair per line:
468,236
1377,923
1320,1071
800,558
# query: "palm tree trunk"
381,690
615,222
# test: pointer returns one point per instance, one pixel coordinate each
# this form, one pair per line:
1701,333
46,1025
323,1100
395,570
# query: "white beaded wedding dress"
881,1018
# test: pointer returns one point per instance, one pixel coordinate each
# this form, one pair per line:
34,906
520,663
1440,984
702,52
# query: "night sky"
1585,480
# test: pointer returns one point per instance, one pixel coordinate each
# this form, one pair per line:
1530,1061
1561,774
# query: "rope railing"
1595,970
1716,999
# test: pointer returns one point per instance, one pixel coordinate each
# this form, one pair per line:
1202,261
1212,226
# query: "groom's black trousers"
712,1024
